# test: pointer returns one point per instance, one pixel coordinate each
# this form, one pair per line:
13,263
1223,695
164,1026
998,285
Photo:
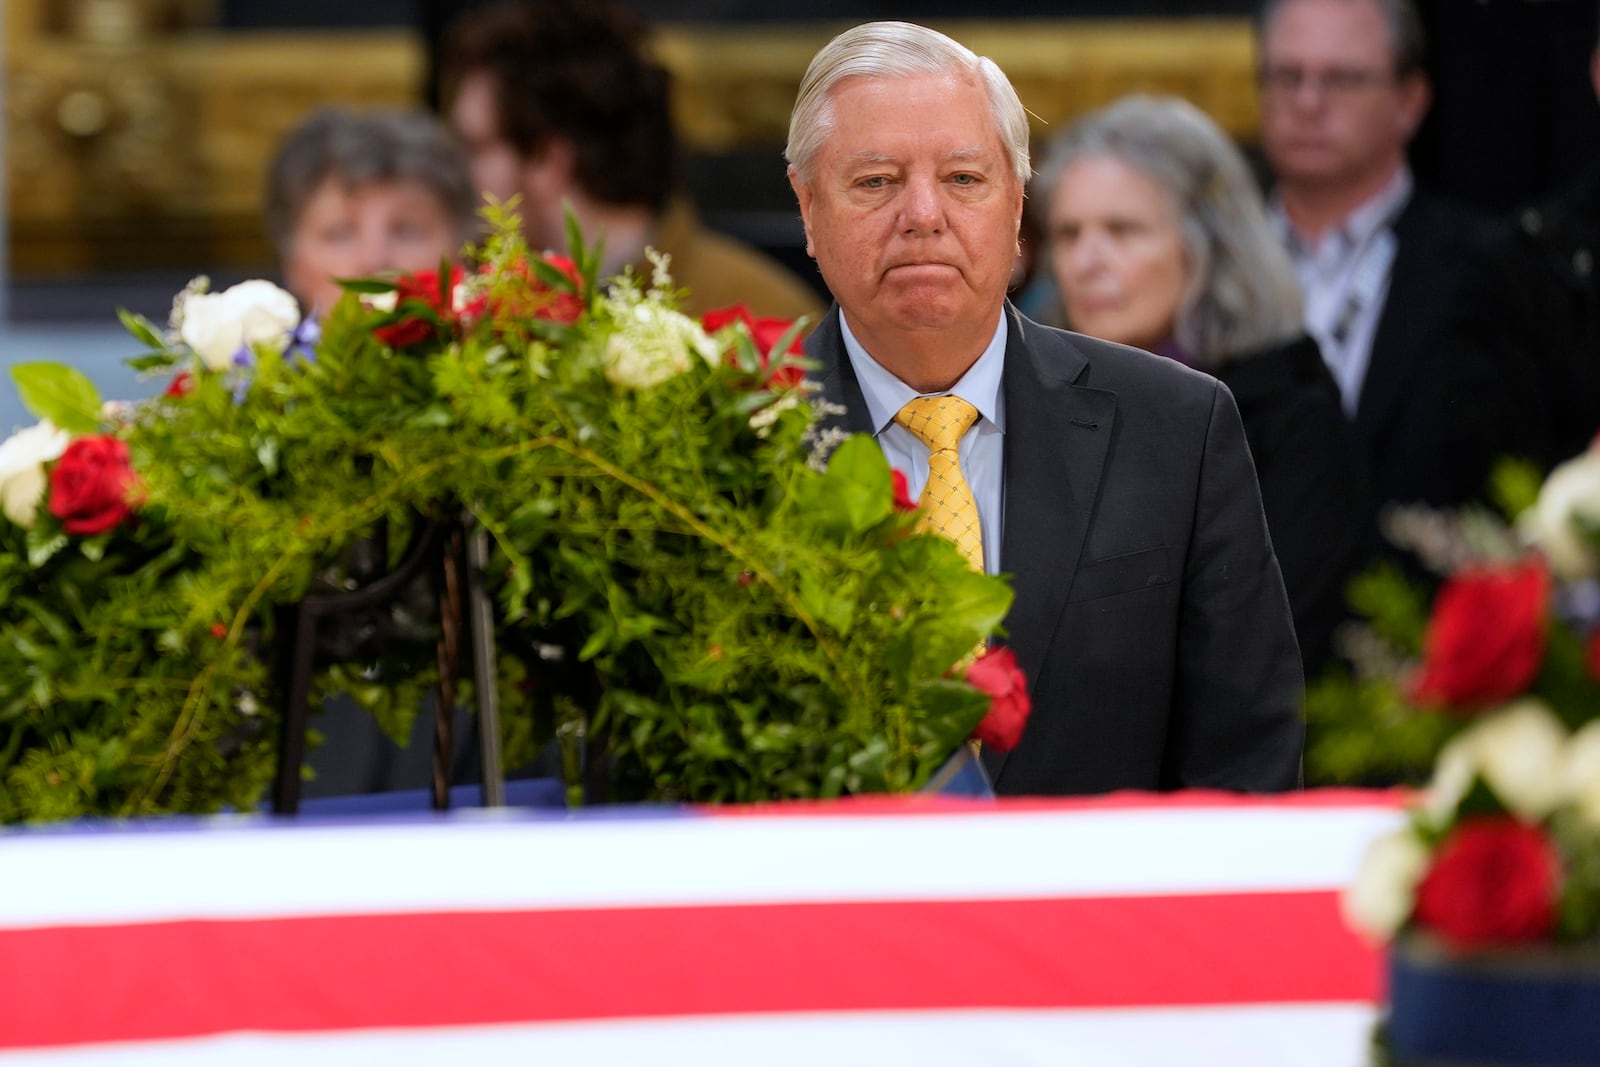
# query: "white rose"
1572,489
1519,753
1380,900
22,478
653,344
217,325
1453,773
1580,771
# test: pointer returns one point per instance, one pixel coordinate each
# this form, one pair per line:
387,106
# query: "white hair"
898,50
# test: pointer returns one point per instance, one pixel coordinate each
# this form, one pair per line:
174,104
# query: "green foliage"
672,572
58,393
1361,729
1364,724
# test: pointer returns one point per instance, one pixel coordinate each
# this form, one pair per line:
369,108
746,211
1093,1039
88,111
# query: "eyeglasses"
1333,82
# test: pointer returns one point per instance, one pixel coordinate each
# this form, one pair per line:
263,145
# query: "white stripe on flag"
1320,1035
243,869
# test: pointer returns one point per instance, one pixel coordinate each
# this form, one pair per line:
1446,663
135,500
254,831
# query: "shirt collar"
885,394
1360,225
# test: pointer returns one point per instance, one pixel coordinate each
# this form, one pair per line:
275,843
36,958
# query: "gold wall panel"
133,142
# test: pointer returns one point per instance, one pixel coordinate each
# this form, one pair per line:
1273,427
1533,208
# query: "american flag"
1137,930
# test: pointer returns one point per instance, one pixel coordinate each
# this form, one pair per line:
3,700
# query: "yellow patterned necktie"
948,508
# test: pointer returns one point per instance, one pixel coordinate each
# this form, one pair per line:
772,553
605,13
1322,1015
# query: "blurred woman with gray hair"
351,194
1157,237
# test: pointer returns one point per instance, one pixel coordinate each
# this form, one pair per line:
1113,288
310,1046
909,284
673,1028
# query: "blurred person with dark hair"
1158,238
355,194
1382,265
563,104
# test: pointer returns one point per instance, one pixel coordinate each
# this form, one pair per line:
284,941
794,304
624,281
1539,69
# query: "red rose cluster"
92,485
425,288
766,333
1486,637
531,297
433,303
1494,881
997,674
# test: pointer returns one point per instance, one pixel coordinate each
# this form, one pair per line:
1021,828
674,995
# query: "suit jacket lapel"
837,377
1058,434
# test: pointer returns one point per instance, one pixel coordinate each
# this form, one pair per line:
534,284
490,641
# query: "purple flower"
303,341
244,360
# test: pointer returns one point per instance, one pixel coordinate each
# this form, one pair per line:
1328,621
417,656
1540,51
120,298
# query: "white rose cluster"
652,344
1379,901
22,477
1525,755
1568,500
217,325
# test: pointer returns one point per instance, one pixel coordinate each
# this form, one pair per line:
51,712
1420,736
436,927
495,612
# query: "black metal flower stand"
453,553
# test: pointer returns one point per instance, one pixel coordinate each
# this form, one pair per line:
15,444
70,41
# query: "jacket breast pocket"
1126,573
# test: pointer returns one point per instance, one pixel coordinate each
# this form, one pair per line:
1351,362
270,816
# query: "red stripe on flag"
70,985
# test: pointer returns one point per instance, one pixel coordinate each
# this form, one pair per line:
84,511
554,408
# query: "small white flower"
22,478
218,325
763,419
1571,490
653,344
381,301
1379,901
1518,752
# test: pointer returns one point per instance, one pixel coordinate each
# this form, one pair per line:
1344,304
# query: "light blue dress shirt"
982,448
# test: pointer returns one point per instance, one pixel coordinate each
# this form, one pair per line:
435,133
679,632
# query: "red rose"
1493,881
423,287
91,485
902,491
766,333
996,673
529,296
182,384
1486,638
1592,654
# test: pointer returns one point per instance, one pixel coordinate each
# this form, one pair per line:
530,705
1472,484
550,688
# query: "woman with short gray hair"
1157,237
351,194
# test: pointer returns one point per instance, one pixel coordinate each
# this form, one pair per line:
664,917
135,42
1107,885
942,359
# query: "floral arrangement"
1495,692
1503,849
686,566
1514,612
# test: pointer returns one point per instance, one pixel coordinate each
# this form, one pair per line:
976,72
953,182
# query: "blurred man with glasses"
1381,265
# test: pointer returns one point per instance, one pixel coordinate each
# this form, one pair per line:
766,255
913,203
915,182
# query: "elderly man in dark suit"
1115,487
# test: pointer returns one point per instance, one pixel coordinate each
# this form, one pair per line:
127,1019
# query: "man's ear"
802,193
1416,94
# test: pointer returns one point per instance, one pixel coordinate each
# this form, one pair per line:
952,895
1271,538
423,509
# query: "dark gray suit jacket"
1150,616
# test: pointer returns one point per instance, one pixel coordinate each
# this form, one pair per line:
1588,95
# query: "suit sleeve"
1237,699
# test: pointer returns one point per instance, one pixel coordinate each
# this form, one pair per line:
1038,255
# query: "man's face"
1333,111
913,210
348,231
498,168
